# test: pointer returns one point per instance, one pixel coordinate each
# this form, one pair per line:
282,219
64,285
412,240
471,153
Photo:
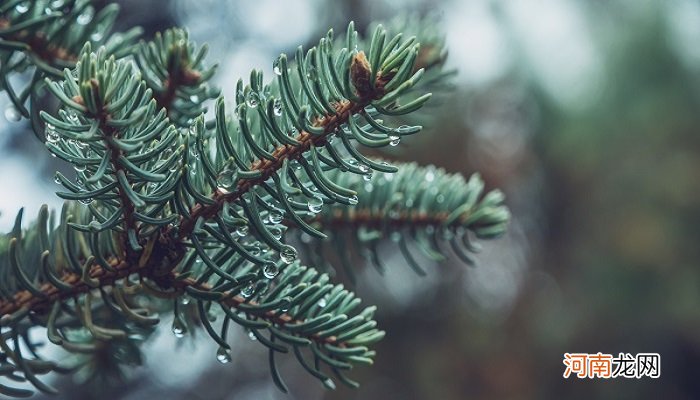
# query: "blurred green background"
585,113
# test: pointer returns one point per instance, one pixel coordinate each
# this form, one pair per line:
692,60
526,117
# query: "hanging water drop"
251,336
194,98
252,100
353,200
85,201
311,73
277,107
97,36
275,216
22,7
57,179
276,67
223,355
368,176
185,300
179,329
288,254
227,179
322,302
57,3
276,232
51,134
12,114
329,384
394,140
429,176
363,168
80,167
242,230
315,204
270,270
85,17
248,290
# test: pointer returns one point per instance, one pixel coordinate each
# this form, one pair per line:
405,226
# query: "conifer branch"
175,208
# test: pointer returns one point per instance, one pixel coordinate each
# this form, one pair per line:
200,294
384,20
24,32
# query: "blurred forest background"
585,113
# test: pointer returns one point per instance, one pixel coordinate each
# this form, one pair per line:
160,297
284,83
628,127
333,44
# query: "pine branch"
175,208
423,205
174,69
49,35
328,124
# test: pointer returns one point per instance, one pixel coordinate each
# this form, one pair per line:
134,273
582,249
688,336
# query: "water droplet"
22,7
277,107
276,67
440,198
353,200
429,176
179,329
173,167
306,238
369,187
57,3
223,355
252,336
367,176
97,36
276,232
311,73
322,302
315,204
57,179
51,134
80,167
85,17
288,254
275,216
85,201
227,179
253,100
270,270
394,140
446,234
242,230
194,98
248,290
185,300
329,384
12,114
363,168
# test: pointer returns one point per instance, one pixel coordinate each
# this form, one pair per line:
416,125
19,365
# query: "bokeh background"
585,113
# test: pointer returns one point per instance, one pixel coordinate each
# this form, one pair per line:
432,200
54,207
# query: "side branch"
330,123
